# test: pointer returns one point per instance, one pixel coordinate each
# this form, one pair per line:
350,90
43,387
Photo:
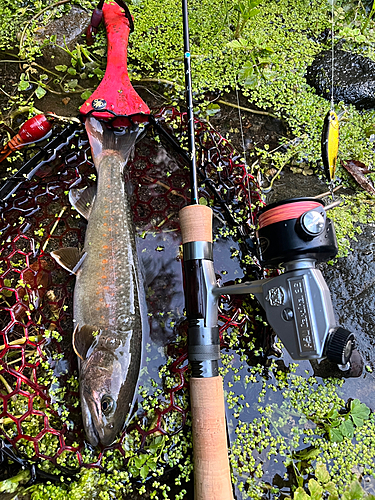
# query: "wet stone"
68,30
351,282
353,79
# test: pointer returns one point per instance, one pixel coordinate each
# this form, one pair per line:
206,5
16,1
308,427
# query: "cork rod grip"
212,480
196,223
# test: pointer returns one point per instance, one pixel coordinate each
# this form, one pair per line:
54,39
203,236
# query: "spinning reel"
294,235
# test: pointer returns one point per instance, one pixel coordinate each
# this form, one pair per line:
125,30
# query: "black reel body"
296,234
310,234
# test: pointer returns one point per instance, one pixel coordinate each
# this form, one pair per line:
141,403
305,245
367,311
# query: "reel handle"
212,478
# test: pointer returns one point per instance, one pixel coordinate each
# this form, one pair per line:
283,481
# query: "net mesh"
39,400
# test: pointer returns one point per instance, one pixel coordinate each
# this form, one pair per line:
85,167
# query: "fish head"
105,401
333,120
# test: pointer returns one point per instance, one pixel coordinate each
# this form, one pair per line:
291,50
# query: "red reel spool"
283,238
287,211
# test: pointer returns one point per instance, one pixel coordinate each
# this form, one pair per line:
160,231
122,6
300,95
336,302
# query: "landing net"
39,400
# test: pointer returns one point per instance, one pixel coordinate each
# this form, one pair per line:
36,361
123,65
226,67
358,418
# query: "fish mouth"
90,429
95,435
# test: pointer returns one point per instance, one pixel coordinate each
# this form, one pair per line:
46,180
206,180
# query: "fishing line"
244,150
333,50
242,137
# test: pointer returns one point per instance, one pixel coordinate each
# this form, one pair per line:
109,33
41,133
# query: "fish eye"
107,404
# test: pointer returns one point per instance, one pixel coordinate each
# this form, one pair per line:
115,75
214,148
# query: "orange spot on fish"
105,247
105,261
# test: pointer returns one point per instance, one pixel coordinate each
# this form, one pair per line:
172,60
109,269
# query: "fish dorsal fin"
70,258
82,200
83,339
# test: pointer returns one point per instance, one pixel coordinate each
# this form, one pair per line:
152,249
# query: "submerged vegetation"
289,430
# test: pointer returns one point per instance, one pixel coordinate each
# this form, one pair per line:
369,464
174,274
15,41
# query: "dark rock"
351,282
70,28
353,78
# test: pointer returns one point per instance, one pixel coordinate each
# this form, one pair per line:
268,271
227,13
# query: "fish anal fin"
82,200
83,338
70,258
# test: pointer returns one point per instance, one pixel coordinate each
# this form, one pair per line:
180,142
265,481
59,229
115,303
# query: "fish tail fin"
104,139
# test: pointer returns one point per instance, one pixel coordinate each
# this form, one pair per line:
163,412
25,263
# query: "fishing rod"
293,235
212,478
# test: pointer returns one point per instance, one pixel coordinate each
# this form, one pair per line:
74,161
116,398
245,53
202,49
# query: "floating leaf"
354,492
248,76
300,494
73,84
72,71
347,428
335,435
86,94
40,92
212,109
321,473
239,44
315,489
332,490
358,170
307,453
359,412
61,67
144,471
152,465
23,85
140,460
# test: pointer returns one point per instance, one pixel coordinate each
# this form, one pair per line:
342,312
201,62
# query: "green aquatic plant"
349,218
283,421
322,487
341,425
245,10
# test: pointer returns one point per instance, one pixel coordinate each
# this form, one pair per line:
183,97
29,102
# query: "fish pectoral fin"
70,258
82,200
83,338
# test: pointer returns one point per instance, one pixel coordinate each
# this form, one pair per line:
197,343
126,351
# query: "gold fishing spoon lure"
330,145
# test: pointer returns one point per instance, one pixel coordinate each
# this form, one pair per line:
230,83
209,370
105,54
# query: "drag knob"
313,222
340,345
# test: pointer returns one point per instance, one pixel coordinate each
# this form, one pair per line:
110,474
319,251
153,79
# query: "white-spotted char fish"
109,300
